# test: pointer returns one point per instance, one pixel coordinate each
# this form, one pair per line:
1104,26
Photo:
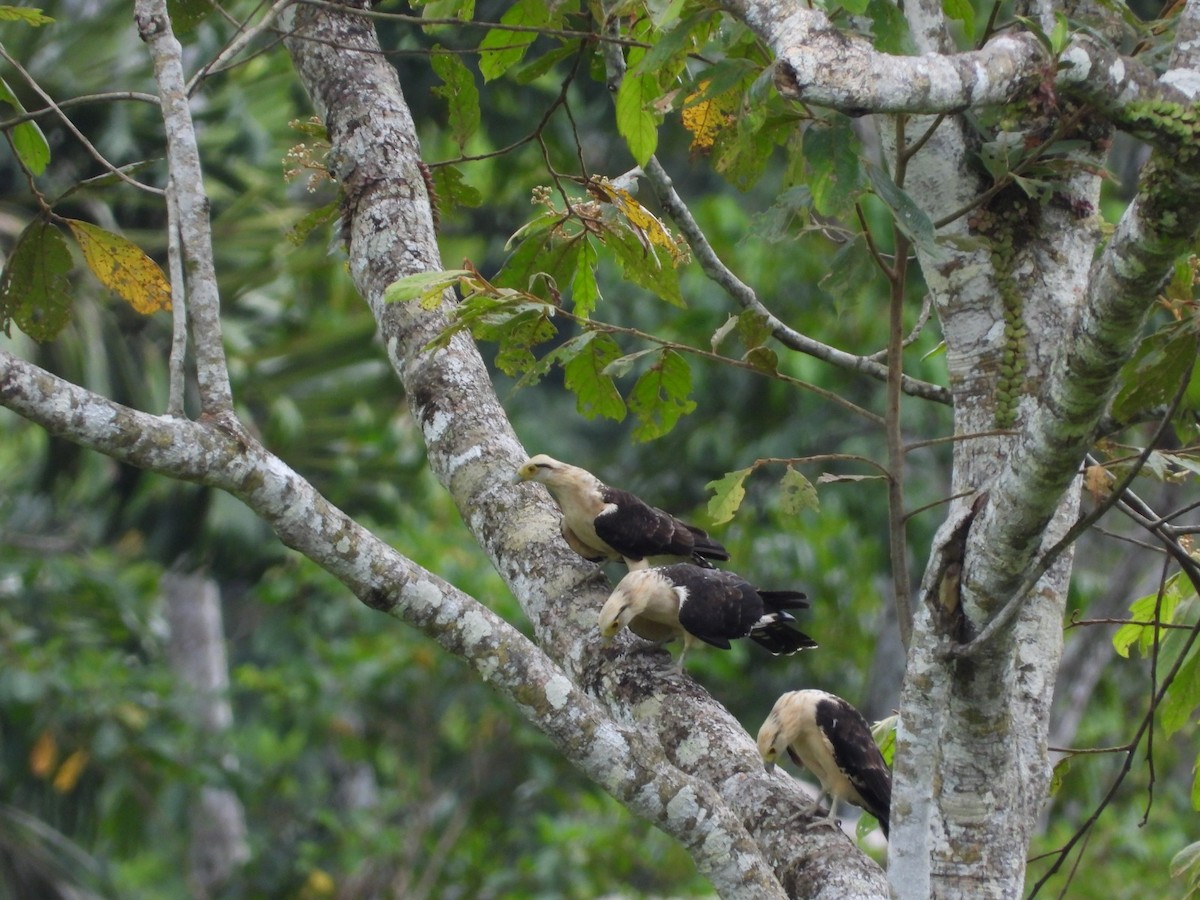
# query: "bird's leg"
830,818
687,645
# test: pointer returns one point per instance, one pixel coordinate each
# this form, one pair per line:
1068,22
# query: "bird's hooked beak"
768,766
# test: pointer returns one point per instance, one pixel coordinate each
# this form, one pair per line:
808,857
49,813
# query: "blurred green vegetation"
368,763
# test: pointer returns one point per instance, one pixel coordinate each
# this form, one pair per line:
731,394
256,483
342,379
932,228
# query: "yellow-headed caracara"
602,523
695,604
829,737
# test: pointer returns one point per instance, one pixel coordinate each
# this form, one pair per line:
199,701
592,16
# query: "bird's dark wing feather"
856,754
637,530
719,605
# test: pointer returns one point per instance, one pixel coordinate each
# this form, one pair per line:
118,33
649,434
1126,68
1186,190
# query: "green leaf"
460,92
660,396
452,191
883,733
516,334
1142,610
1153,374
187,14
531,71
32,17
1183,695
641,264
764,359
890,28
635,122
312,220
1061,768
585,293
1060,34
28,141
463,10
502,49
798,494
963,11
753,329
595,393
909,217
669,53
854,7
34,290
728,494
850,272
831,151
427,287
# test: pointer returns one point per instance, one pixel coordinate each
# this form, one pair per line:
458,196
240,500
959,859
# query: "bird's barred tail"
775,634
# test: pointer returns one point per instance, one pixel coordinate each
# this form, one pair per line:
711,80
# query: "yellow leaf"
318,884
44,755
68,773
705,118
642,222
122,267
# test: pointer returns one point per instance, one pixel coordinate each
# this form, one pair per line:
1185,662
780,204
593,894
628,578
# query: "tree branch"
218,453
183,162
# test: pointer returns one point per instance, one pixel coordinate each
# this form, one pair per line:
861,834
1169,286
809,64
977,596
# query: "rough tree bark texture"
473,452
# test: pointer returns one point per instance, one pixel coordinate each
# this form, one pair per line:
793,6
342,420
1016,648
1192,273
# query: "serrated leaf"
831,152
459,92
27,138
1183,695
452,191
797,494
35,291
123,267
661,396
312,220
427,287
1142,610
635,122
753,329
851,270
585,292
595,393
643,266
24,15
764,359
502,49
728,493
1153,374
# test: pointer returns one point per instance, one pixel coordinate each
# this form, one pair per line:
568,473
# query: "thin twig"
70,126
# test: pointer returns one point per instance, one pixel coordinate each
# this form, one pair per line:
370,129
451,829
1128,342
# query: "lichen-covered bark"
971,764
473,451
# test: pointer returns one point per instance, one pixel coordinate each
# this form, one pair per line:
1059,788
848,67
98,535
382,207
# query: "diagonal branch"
220,454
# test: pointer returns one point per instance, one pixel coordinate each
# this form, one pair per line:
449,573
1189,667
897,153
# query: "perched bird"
696,604
830,737
602,523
